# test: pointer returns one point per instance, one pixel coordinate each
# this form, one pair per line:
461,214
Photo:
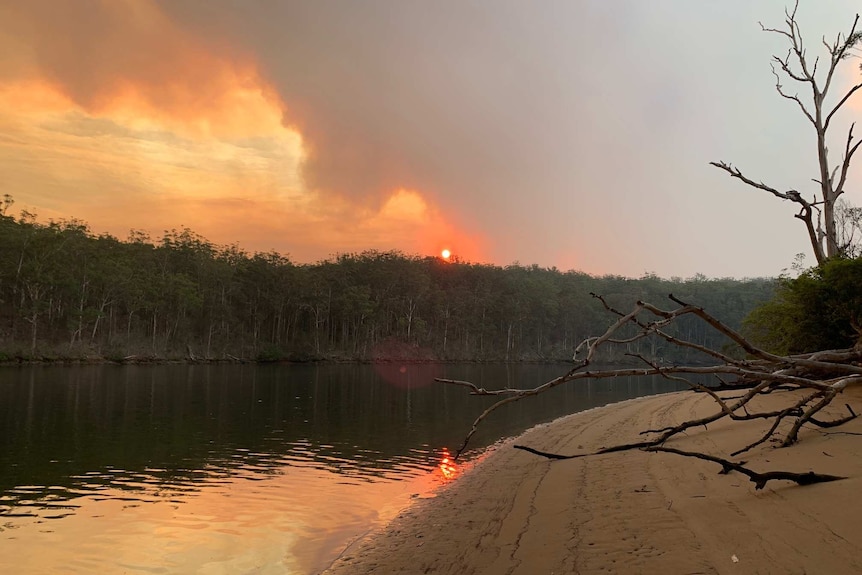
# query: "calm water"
238,469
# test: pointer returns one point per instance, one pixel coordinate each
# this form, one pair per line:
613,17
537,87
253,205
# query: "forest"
67,293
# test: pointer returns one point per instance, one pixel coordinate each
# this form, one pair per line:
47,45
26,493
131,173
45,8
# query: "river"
223,469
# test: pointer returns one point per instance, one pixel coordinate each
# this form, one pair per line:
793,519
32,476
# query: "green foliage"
820,309
66,292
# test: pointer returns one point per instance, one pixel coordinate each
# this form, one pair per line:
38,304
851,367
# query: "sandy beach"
634,512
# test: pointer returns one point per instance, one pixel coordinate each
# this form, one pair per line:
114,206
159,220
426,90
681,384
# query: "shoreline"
22,361
633,512
144,360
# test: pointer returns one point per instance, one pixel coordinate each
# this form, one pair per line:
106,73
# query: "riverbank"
635,512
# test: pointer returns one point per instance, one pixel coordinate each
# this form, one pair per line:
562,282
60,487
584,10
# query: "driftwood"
820,377
759,479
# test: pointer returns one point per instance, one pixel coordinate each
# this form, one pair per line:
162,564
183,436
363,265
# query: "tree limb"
759,479
824,375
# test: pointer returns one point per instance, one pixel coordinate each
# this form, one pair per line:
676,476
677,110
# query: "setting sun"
445,254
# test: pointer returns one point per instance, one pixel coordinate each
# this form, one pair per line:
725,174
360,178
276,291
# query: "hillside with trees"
67,293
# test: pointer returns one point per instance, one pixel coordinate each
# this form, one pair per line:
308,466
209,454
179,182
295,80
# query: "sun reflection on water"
448,467
291,511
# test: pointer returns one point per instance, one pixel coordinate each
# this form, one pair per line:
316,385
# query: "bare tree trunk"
33,319
209,340
796,67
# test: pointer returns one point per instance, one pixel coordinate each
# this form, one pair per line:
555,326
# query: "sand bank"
634,512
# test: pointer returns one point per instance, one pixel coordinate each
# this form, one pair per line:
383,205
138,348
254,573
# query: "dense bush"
820,309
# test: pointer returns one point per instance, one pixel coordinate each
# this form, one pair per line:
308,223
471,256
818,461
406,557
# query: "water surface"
240,468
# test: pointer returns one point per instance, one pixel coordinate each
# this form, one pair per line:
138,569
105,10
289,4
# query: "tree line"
66,292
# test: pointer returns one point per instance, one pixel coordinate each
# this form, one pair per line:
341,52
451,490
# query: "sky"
567,133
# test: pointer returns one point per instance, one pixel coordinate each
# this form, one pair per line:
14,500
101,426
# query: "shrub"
821,309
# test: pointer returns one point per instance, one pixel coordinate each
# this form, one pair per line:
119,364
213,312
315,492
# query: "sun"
445,254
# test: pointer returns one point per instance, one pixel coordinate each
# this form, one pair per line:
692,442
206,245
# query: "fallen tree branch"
836,422
759,479
820,377
795,410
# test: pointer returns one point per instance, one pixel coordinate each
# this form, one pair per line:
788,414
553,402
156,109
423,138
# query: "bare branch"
653,327
776,31
836,422
794,410
759,479
784,64
845,164
839,51
840,103
768,369
791,195
795,98
792,435
751,349
476,390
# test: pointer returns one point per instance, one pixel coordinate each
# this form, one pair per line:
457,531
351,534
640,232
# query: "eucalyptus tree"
412,284
137,286
74,280
263,294
43,269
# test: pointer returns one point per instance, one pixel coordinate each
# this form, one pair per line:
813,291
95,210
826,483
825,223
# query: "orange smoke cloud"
127,60
326,225
426,227
109,103
115,114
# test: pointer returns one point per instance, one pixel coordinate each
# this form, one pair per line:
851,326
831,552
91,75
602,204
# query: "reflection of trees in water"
146,428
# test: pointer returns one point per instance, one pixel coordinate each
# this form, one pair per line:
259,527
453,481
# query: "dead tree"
810,383
797,66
